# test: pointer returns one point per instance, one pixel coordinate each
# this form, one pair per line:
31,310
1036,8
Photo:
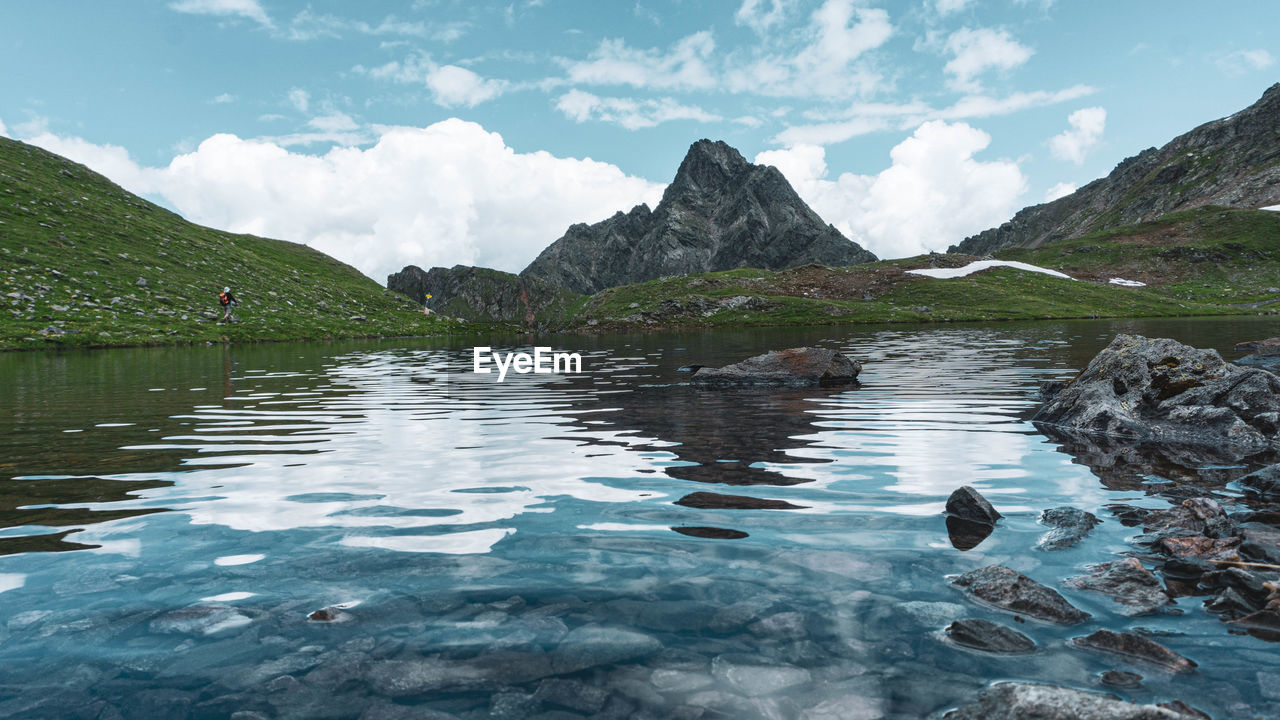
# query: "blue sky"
442,131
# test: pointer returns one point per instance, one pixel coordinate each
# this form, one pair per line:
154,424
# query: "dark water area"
613,543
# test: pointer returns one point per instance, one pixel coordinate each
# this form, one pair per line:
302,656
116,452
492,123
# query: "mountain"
83,262
477,293
719,213
1233,162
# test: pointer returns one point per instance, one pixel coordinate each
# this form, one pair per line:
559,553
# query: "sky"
443,132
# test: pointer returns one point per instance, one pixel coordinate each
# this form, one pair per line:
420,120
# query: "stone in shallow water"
991,637
593,645
200,620
796,367
1011,591
1121,679
967,503
406,678
753,677
1264,483
1020,701
1135,588
1070,526
389,711
1135,647
966,534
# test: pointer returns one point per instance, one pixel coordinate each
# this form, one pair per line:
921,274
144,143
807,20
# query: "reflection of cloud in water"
380,451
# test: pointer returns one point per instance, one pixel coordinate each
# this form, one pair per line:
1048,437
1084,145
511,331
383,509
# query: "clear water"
170,517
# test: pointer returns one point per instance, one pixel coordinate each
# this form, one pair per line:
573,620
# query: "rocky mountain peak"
720,212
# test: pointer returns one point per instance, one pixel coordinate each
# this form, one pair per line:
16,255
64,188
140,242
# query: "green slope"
73,246
1209,261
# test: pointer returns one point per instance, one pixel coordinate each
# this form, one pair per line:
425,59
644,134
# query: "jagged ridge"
1234,162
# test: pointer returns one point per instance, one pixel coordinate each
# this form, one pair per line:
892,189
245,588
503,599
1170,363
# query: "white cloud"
1086,130
452,86
4,132
947,7
631,114
761,15
1060,190
862,118
1243,61
977,51
838,34
440,195
935,193
223,99
614,63
300,99
231,8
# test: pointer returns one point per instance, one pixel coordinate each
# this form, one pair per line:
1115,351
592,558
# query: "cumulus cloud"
684,66
935,193
977,51
450,85
631,114
1086,127
837,35
249,9
1243,61
300,99
445,194
948,7
1060,190
4,132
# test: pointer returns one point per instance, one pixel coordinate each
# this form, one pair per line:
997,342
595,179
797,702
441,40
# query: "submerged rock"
1135,588
1161,390
793,367
1070,526
1121,679
1014,592
966,503
754,677
1270,363
1022,700
1135,647
989,636
1270,346
200,620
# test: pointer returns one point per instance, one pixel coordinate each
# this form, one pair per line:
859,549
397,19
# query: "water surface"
578,545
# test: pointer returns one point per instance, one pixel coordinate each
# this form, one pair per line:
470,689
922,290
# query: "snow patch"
1272,208
1126,283
973,267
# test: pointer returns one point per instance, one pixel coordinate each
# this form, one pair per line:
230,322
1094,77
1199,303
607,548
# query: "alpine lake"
370,530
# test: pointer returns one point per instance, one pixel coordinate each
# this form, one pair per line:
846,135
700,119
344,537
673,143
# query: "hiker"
228,302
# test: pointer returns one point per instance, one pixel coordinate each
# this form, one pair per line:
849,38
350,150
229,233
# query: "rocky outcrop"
1233,162
795,367
1160,390
481,294
1264,483
719,213
1011,591
1020,700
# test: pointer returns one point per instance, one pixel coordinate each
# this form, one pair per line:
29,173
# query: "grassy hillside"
85,263
1203,262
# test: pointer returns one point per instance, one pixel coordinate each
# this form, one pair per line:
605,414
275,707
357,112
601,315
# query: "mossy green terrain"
84,263
1209,261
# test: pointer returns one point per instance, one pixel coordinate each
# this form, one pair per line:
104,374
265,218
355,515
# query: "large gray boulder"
793,367
1023,701
1159,390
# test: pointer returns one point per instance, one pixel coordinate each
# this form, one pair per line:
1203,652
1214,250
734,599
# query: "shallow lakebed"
612,543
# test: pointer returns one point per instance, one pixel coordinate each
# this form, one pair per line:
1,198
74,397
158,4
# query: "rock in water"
1020,701
1264,483
1270,346
1163,391
1070,526
1133,586
795,367
991,637
1135,647
719,213
1011,591
968,504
